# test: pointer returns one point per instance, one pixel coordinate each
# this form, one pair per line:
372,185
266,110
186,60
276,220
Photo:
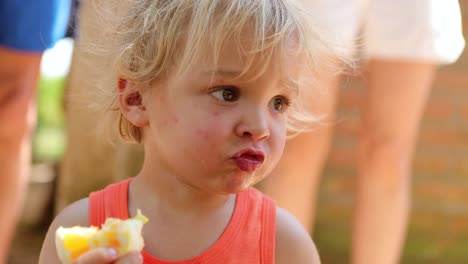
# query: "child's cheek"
278,140
212,129
208,141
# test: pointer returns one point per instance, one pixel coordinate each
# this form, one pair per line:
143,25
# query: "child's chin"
238,185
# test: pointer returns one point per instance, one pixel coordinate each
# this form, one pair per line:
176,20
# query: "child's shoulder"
293,243
74,214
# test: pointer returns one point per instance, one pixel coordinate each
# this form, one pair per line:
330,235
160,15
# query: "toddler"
211,89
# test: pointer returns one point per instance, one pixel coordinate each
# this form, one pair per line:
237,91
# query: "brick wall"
439,221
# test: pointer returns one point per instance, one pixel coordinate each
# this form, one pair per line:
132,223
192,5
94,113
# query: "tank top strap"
111,201
268,234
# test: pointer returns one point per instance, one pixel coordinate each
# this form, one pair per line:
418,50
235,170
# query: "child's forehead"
230,62
232,69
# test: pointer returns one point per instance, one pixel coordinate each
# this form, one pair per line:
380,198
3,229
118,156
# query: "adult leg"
294,182
397,95
18,80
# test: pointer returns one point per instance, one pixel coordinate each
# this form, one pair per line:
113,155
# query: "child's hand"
108,256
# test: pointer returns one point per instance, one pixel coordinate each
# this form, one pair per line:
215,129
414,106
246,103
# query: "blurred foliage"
49,138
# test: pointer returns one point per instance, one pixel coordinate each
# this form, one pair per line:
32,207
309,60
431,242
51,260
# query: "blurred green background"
49,138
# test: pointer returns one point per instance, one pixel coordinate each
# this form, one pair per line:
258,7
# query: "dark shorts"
33,25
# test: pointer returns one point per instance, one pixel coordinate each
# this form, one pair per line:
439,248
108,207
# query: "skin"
385,149
193,124
18,81
385,154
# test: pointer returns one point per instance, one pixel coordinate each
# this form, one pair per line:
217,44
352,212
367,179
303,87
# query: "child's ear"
131,104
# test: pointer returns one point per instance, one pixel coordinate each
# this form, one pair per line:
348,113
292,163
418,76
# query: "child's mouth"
249,160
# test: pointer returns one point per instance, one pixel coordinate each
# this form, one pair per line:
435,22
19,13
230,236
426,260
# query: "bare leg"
295,181
18,80
397,96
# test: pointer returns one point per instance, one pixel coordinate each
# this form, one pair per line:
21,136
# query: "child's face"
216,134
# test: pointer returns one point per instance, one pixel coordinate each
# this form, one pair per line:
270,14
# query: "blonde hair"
150,35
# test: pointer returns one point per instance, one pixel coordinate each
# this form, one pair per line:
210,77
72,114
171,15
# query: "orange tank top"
248,238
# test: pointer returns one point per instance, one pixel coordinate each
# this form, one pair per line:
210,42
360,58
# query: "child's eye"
280,104
227,94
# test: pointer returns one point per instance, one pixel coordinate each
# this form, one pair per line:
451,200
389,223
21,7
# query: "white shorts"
394,29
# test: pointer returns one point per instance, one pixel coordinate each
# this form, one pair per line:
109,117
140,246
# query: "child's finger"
98,256
131,258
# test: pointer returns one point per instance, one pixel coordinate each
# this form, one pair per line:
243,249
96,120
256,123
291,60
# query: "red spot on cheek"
202,133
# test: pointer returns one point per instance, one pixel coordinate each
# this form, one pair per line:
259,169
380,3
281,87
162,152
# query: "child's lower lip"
248,164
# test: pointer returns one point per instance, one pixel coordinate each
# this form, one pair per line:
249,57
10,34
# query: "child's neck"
168,192
199,218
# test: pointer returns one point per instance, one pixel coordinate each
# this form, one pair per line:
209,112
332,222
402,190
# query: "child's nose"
254,125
